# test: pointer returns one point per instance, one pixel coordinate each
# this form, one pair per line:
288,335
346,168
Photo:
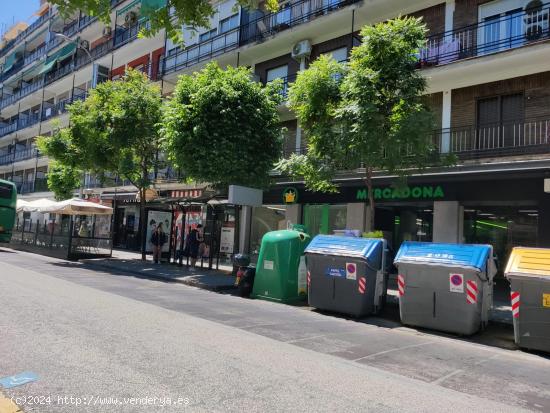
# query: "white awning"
77,206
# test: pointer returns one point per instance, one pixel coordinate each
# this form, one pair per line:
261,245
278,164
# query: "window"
279,72
208,35
340,55
229,23
500,121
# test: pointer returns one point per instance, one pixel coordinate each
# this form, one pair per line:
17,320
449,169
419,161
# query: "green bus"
8,200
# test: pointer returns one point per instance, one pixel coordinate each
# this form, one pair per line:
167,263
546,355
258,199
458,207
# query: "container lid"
344,246
529,262
449,255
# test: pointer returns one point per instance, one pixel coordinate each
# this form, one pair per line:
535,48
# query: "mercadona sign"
402,193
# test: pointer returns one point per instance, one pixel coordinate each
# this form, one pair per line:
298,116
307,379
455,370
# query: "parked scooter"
245,274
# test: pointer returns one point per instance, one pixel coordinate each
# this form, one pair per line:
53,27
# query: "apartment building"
488,85
52,63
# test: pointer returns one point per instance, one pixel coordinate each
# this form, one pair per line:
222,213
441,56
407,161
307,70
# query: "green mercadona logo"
407,192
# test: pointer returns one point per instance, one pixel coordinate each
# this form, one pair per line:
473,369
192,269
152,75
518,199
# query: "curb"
191,283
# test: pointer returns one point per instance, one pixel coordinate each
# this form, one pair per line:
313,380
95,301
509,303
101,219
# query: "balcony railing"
298,13
206,50
20,155
7,129
36,24
26,90
528,136
290,16
505,138
28,120
71,28
124,35
495,35
36,54
96,53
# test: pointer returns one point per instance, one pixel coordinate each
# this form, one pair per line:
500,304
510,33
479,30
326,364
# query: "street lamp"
79,46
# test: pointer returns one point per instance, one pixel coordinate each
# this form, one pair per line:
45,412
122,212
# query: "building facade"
488,79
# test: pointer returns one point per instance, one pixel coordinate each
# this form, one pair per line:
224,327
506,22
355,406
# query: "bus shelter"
70,229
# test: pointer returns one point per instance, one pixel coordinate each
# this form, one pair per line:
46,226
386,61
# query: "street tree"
170,15
367,113
223,128
113,132
63,180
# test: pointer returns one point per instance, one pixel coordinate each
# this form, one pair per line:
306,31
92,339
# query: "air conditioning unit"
85,44
131,18
301,49
107,31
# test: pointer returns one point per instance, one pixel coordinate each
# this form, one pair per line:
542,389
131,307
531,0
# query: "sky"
21,10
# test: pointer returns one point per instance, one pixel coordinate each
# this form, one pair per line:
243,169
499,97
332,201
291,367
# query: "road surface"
106,342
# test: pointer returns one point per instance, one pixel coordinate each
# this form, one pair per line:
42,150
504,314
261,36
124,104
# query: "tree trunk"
142,223
370,190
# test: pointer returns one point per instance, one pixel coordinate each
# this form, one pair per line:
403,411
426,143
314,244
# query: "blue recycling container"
346,274
446,287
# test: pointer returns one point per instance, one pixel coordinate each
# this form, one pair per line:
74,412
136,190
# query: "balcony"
52,110
21,155
36,24
96,53
24,91
71,28
206,50
516,29
28,120
529,136
38,185
256,30
124,35
36,54
7,129
289,16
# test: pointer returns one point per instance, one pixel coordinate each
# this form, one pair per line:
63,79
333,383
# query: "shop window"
324,219
265,219
501,227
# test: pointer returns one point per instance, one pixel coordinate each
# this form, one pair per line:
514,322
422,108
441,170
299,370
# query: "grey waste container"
446,287
346,275
528,271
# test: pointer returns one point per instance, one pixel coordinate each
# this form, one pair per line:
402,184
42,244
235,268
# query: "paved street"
97,336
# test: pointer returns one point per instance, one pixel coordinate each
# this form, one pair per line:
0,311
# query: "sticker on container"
351,271
268,265
302,276
456,283
545,300
335,272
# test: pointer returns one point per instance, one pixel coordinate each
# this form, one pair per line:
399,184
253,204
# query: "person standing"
194,239
158,239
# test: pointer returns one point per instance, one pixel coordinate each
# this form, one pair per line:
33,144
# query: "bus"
8,200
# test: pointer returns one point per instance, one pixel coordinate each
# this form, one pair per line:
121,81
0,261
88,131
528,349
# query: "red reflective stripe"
515,303
401,285
362,285
471,292
308,278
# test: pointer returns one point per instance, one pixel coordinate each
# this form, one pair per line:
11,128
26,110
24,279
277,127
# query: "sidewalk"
130,262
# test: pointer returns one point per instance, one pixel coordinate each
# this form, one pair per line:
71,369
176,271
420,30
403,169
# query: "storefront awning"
61,54
128,7
150,6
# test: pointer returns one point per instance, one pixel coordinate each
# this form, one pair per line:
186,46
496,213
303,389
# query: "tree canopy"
223,128
367,113
114,131
170,15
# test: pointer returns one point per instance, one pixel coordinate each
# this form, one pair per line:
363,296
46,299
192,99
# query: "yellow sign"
546,300
290,195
